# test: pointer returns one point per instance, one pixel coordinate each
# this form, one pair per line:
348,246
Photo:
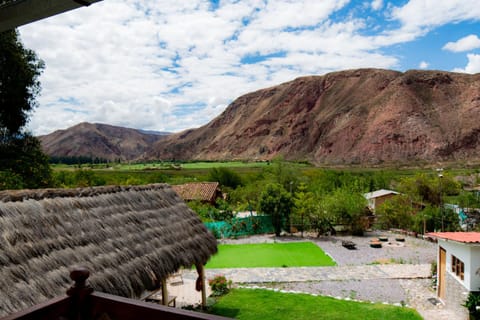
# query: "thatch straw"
129,237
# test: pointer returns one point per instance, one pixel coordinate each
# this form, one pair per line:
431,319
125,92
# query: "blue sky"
169,66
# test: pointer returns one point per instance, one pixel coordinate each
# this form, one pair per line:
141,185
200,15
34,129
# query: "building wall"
379,200
455,295
462,252
475,268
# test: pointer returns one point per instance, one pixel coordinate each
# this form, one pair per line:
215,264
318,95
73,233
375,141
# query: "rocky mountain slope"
99,140
366,116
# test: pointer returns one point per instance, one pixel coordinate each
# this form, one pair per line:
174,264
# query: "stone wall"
455,295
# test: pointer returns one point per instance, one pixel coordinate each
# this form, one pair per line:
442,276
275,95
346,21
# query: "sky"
173,65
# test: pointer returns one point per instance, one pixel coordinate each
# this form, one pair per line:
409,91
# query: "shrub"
473,305
219,285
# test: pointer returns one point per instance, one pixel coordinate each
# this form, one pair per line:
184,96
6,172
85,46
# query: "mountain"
99,140
364,116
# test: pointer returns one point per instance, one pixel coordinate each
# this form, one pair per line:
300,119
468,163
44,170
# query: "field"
294,254
166,165
247,304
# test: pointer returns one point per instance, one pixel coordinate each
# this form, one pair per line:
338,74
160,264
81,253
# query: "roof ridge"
37,194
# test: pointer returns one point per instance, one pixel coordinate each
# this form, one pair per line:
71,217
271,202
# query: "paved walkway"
413,279
362,272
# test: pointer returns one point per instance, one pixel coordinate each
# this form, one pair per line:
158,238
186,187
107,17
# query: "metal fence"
241,227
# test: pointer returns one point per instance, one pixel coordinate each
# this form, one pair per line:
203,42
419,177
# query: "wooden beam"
204,289
164,292
20,12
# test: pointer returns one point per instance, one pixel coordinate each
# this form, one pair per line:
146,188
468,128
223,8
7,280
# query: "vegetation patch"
293,254
247,304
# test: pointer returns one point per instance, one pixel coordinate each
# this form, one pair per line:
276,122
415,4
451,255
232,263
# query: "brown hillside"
98,140
363,116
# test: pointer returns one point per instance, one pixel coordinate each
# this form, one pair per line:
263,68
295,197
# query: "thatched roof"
201,191
127,237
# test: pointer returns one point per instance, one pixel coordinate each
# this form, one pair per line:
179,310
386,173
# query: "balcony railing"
81,303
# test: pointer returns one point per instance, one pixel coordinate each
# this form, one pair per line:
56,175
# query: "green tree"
347,208
19,84
284,173
467,199
304,205
21,156
226,177
276,202
431,189
396,212
320,218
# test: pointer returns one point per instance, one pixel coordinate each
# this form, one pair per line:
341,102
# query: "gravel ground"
377,290
411,251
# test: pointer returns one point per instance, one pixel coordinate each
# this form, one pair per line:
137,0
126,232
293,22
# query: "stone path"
362,272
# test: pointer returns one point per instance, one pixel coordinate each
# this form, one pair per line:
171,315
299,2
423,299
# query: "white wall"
470,255
475,265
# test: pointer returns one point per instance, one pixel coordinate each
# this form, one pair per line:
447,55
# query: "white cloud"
172,65
473,65
418,15
377,4
467,43
423,65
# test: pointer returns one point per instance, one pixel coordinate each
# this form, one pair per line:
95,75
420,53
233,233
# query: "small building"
376,198
206,192
458,270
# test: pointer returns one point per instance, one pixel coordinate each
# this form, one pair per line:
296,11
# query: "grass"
248,304
292,254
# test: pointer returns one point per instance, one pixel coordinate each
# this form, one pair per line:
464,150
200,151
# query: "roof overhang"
470,238
15,13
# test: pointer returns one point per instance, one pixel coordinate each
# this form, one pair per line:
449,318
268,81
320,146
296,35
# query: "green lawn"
248,304
292,254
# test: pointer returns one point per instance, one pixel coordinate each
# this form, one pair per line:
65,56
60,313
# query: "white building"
458,269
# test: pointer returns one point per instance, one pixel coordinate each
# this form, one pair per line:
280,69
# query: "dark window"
458,267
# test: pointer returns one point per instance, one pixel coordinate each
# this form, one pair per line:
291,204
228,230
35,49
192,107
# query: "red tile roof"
466,237
202,191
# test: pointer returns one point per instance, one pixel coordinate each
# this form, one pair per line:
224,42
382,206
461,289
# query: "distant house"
458,267
207,192
130,237
378,197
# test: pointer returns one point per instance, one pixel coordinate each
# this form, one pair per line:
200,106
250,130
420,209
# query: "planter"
400,239
375,244
383,238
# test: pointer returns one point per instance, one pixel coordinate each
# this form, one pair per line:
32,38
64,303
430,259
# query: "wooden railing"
81,303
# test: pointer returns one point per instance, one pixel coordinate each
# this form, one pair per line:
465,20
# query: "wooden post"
79,293
164,292
200,284
204,290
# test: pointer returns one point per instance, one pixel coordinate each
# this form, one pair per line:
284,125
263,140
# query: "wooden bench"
156,297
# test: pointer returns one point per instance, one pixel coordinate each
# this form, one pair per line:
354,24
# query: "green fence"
241,226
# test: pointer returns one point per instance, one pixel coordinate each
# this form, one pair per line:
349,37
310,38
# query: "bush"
473,305
219,285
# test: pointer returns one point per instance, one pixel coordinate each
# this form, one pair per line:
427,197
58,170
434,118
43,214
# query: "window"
458,267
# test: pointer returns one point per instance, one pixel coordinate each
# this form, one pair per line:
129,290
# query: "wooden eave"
15,13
